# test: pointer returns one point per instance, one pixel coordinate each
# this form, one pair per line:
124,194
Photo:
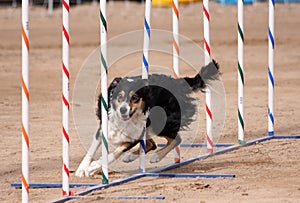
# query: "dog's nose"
123,110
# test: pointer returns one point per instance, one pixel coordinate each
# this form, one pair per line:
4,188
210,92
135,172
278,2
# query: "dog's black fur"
172,95
132,105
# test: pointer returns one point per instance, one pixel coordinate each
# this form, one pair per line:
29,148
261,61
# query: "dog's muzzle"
124,112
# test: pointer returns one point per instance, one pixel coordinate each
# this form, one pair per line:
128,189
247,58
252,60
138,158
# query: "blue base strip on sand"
286,137
156,172
170,175
189,175
141,197
232,2
199,145
53,185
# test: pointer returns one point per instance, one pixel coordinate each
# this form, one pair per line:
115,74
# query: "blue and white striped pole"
146,45
145,70
271,69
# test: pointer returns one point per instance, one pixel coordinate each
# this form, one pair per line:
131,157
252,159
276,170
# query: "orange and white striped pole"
176,73
65,97
25,100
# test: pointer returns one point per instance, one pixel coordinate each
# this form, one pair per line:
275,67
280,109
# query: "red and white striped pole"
25,100
175,20
206,61
65,97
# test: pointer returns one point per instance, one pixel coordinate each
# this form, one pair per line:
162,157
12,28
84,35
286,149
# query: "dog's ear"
145,88
145,93
114,84
110,90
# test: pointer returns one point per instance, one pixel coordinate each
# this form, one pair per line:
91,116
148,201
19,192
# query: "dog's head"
128,97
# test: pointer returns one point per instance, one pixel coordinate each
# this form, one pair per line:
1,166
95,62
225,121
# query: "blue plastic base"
52,185
233,2
157,172
199,145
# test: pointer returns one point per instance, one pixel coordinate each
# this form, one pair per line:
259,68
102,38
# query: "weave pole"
176,73
145,71
271,68
104,97
65,97
146,44
209,117
25,100
241,138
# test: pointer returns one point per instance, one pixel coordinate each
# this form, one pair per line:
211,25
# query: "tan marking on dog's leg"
171,144
118,152
150,145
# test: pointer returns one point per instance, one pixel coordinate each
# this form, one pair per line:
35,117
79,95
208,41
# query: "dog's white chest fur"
120,131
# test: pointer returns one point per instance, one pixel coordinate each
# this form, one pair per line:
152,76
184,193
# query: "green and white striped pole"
104,98
241,138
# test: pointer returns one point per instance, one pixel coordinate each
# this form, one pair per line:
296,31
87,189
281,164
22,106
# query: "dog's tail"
206,74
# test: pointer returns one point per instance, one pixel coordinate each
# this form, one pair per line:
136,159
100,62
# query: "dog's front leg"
171,144
95,166
82,170
131,156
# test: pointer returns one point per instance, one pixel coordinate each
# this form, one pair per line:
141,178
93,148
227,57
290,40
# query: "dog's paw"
81,173
130,157
94,168
155,158
83,167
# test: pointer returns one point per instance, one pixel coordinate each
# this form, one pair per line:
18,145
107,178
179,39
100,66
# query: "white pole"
65,97
146,45
50,7
241,138
209,117
176,73
271,68
104,99
145,70
25,100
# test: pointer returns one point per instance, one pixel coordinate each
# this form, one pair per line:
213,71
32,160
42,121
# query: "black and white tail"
206,74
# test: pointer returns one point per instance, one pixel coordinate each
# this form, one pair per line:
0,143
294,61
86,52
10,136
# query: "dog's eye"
120,97
135,98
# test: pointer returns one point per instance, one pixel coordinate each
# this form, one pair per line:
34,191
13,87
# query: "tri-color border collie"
161,104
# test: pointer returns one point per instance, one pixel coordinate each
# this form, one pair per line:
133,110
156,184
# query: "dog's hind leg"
82,170
131,156
171,144
95,166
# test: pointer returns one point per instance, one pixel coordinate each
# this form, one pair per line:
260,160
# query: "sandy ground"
265,172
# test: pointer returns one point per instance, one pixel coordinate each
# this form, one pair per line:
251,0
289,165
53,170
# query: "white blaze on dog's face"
127,101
